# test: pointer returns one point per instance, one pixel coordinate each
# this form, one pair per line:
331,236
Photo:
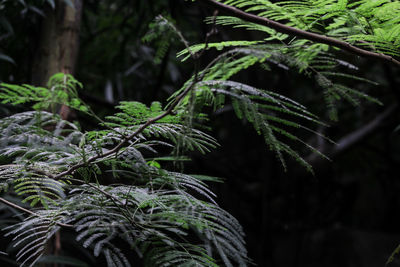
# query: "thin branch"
118,203
17,207
170,109
108,195
351,139
300,33
130,137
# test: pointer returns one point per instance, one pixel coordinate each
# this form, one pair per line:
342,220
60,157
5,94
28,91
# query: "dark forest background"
346,215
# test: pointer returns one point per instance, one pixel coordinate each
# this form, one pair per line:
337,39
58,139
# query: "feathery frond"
166,217
62,89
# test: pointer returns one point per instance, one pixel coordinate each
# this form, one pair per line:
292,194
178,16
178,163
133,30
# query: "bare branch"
354,137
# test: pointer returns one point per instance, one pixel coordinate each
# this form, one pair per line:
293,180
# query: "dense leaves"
119,186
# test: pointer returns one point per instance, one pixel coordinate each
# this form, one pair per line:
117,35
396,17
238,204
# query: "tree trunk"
59,42
57,52
58,45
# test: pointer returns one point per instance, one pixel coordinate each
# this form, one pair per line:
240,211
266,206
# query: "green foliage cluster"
112,186
339,19
62,90
313,59
373,25
166,217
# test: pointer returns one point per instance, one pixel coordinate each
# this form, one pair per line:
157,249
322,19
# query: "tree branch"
354,137
119,146
130,137
17,207
300,33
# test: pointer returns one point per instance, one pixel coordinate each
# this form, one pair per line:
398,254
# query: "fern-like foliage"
111,185
170,128
259,108
32,234
354,22
161,35
167,218
314,60
156,223
62,89
374,25
271,114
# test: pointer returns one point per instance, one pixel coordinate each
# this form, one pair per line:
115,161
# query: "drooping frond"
163,33
24,137
157,220
271,114
261,109
264,109
32,234
35,189
311,59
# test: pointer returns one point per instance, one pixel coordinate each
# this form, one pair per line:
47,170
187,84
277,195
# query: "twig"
300,33
17,207
351,139
114,199
118,203
130,137
170,109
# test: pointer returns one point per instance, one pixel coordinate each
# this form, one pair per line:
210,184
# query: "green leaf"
154,163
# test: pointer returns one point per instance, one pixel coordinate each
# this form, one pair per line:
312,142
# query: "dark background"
346,215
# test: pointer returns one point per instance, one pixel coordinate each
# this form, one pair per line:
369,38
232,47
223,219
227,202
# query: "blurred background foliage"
345,215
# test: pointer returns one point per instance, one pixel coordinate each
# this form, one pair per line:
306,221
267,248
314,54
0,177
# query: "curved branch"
119,146
353,138
300,33
178,99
